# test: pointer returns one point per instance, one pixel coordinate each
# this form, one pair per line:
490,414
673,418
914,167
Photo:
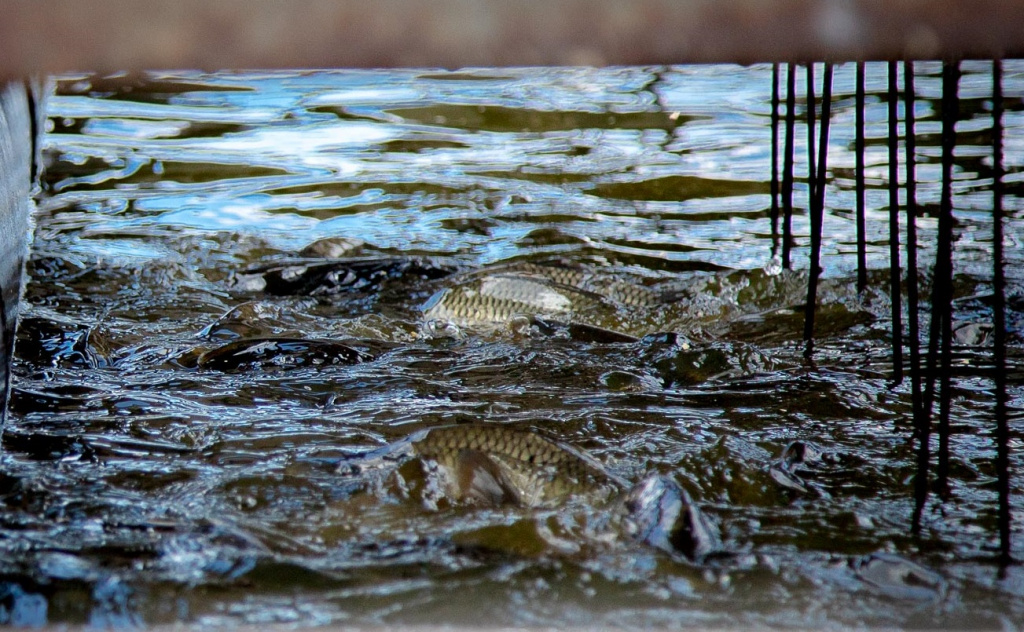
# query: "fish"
249,353
503,295
328,277
611,287
662,515
493,301
478,298
497,464
483,464
499,297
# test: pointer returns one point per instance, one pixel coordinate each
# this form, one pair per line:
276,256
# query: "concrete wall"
16,147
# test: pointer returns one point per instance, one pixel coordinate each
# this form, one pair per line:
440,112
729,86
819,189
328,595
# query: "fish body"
495,299
278,352
617,289
494,464
329,277
501,295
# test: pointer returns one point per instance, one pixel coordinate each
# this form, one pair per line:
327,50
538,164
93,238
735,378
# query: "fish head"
662,515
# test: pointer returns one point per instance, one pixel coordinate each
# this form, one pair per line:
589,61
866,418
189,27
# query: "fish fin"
480,480
664,516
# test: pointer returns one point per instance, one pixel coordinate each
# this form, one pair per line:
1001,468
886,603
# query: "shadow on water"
241,282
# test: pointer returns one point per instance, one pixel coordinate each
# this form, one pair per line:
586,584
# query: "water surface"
144,486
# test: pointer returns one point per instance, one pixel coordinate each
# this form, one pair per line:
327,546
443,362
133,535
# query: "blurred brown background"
107,35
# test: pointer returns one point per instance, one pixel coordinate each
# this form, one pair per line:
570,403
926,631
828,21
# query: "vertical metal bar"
913,315
922,413
862,250
812,182
787,168
812,179
817,211
826,113
999,317
941,298
950,112
775,154
894,228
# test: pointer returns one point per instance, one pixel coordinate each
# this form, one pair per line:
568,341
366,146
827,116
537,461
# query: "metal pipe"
913,312
894,227
787,165
817,210
775,157
812,178
943,278
999,318
862,251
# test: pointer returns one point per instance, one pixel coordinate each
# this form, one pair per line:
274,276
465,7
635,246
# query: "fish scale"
495,463
620,291
465,306
497,298
544,468
540,468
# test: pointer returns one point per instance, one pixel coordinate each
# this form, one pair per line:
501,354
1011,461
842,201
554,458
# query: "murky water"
153,475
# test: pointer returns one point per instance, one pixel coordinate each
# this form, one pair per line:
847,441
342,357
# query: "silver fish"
617,289
499,300
503,295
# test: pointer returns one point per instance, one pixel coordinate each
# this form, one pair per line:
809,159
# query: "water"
142,484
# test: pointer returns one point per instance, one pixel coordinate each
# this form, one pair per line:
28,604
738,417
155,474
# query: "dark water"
145,482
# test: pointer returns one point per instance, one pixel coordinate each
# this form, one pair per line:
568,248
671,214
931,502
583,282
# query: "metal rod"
913,313
862,249
894,228
817,211
941,297
950,112
999,317
787,167
826,113
812,179
775,155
